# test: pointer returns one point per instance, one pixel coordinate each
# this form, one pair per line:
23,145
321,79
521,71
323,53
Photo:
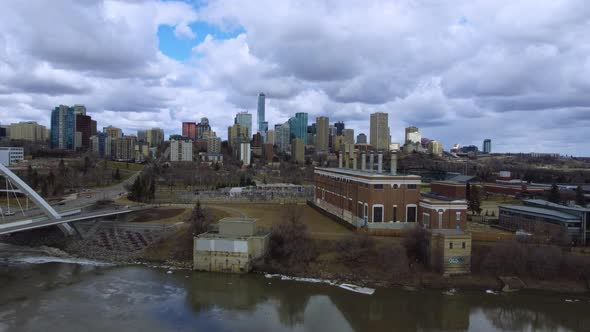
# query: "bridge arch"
47,209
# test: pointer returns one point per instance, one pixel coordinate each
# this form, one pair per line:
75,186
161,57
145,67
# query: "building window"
395,213
377,213
458,216
425,219
463,245
359,213
412,186
378,186
450,245
411,213
395,186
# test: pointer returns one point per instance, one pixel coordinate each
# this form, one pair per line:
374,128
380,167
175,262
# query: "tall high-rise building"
339,128
413,135
202,127
113,132
84,127
283,136
435,148
298,151
245,153
101,145
63,128
244,119
270,137
125,148
155,137
189,129
332,130
261,111
322,134
142,135
181,150
264,130
379,131
487,145
236,135
28,131
348,136
361,138
298,126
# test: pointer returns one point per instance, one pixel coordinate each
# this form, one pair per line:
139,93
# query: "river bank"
161,253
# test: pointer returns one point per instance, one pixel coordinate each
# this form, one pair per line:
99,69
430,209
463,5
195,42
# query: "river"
42,292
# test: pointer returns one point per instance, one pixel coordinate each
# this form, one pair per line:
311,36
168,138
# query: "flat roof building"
11,155
231,248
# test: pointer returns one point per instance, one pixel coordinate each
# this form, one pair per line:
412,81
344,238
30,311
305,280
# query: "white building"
181,150
245,153
11,155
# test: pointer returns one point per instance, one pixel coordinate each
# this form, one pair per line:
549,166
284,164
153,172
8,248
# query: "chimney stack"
340,160
363,161
371,162
394,164
380,162
354,161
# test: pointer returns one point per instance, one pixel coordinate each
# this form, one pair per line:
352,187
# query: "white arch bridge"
50,216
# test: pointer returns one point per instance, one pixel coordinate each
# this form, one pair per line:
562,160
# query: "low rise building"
541,217
11,155
29,131
232,248
450,251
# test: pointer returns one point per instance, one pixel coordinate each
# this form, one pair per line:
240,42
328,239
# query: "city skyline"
465,76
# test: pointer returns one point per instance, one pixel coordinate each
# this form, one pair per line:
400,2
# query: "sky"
517,72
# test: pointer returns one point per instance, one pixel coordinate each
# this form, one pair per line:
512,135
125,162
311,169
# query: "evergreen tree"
474,202
554,195
152,191
580,199
117,175
467,191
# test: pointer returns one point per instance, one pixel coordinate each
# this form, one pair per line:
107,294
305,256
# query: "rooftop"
238,219
437,197
540,211
444,231
554,205
367,173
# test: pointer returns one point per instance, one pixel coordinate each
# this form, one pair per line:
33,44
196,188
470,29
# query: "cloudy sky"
517,72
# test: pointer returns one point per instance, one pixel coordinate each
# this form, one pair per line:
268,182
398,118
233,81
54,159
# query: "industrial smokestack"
354,161
340,160
363,161
371,162
380,162
393,164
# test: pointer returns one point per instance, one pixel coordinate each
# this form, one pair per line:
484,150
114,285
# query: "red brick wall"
457,191
449,218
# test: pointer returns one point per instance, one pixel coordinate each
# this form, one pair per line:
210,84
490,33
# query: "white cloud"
463,71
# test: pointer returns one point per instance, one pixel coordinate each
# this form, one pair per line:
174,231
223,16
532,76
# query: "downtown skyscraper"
261,111
379,131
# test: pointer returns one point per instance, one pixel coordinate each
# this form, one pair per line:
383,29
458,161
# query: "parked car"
9,213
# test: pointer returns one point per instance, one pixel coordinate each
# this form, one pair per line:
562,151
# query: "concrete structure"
232,248
545,218
322,134
245,153
11,155
28,131
487,145
413,135
181,150
244,119
261,109
298,151
450,251
379,131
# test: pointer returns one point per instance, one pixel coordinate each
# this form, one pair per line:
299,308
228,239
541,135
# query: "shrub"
393,259
357,248
289,241
415,241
